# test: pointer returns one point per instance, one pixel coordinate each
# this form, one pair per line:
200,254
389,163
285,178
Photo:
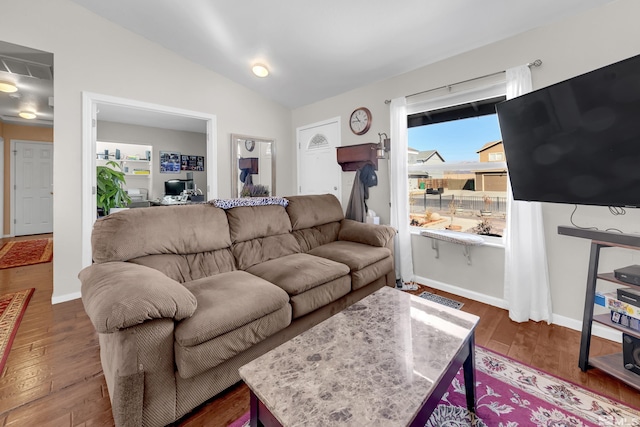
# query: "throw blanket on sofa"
249,201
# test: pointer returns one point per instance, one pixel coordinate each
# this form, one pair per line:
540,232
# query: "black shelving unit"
611,363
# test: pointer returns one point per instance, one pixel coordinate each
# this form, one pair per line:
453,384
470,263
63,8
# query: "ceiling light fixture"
260,70
8,87
27,115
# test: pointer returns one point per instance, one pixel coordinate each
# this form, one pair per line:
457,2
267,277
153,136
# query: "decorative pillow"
249,201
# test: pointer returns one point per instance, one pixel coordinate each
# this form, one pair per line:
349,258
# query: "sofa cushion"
319,296
368,274
309,238
134,233
301,276
252,222
368,234
358,257
263,249
310,211
259,234
235,311
118,295
185,268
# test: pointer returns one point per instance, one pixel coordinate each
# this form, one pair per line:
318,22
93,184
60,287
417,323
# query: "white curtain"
400,189
526,276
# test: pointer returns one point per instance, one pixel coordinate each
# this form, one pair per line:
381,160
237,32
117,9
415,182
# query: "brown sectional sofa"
182,296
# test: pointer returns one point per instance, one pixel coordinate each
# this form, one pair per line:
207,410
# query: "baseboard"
65,298
476,296
597,329
567,322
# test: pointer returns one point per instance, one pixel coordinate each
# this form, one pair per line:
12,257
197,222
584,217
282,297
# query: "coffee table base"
465,358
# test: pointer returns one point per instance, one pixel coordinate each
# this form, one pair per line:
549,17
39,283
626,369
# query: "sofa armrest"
368,234
118,295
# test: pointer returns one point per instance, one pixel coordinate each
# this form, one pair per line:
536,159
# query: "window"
457,175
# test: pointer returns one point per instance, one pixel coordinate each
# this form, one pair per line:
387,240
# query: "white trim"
567,322
598,330
489,241
65,298
299,129
90,101
476,296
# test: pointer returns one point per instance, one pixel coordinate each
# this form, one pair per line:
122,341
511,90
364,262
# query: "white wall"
94,55
568,48
187,143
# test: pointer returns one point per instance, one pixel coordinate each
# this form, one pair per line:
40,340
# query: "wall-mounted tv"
577,141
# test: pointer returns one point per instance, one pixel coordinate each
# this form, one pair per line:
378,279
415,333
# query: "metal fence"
441,202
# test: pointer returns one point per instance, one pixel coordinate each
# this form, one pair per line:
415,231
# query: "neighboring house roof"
412,150
424,156
489,145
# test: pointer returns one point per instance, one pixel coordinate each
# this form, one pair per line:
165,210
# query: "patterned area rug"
510,394
26,252
12,308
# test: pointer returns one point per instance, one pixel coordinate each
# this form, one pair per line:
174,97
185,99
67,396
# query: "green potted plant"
110,193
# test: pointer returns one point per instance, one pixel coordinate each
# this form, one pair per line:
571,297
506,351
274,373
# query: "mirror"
253,166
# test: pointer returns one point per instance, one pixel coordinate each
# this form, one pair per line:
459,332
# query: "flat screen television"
577,141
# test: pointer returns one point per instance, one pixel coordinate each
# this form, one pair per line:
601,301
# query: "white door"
318,168
33,194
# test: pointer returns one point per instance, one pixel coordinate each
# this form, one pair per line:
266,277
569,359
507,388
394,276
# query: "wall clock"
360,121
249,144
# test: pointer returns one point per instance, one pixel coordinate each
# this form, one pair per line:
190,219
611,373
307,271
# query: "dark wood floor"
53,375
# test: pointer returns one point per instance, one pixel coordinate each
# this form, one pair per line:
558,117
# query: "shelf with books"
134,160
613,364
605,319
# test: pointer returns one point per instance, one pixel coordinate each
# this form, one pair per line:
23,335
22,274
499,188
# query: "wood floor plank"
53,374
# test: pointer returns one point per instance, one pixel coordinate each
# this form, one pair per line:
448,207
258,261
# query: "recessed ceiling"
32,72
318,49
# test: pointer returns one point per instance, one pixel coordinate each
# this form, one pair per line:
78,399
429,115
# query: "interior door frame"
337,121
12,180
90,103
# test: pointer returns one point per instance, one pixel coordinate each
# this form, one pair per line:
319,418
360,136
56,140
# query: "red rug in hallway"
12,308
26,252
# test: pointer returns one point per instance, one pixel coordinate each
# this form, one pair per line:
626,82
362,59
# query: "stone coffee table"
384,361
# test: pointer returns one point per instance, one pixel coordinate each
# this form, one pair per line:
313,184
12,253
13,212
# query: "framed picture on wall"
169,162
192,163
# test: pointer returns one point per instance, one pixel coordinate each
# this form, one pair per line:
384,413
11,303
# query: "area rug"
12,308
26,252
510,394
441,300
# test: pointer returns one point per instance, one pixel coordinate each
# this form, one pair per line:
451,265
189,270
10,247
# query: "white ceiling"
314,49
318,49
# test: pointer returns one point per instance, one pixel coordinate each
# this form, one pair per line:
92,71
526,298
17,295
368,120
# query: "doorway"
32,187
317,145
26,114
147,113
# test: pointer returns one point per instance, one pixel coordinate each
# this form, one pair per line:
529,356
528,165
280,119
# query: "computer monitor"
174,187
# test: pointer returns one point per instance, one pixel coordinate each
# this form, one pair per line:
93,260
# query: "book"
141,172
609,300
626,321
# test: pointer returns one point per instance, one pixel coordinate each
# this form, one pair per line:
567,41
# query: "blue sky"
458,140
